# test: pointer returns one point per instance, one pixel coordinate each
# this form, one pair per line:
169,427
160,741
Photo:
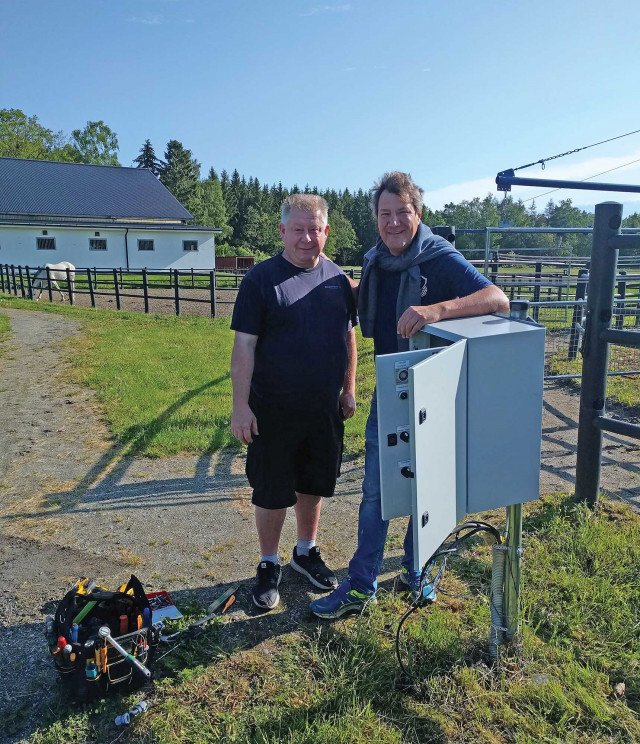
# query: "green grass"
5,330
163,381
623,389
339,683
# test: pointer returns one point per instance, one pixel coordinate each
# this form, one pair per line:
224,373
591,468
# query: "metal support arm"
507,178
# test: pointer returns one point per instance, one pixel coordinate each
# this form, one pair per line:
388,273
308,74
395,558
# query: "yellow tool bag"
88,664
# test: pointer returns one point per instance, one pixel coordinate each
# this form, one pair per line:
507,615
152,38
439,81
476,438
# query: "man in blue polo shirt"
410,278
293,372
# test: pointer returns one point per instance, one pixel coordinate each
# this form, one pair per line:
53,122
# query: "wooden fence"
177,285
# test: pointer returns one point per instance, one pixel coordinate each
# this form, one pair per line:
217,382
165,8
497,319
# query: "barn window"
97,244
145,245
46,244
190,245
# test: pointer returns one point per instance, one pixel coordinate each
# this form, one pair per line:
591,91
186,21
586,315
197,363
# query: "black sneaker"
313,567
265,592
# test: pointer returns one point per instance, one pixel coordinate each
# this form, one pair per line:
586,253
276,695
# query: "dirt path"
70,507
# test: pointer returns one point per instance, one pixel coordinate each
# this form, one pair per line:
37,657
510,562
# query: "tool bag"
88,664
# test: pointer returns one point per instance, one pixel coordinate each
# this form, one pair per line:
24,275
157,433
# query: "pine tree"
180,173
147,159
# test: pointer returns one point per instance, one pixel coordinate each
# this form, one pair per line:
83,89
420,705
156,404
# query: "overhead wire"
542,161
595,175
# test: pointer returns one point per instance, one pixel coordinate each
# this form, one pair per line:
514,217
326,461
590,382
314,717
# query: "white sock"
272,558
304,546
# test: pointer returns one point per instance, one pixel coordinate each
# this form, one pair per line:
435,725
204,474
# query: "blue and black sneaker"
412,583
341,601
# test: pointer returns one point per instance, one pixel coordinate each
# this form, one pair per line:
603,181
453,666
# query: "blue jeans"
366,563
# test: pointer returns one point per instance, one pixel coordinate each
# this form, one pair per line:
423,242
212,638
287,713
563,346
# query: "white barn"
96,216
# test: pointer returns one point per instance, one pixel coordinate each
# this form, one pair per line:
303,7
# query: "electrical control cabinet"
460,423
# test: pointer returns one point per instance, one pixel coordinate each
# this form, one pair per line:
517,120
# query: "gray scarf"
424,247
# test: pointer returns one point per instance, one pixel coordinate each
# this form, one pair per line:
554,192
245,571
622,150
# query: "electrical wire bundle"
434,570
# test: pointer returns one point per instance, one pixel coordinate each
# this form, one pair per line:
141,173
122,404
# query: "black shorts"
295,451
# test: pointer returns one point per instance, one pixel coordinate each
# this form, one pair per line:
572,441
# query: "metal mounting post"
512,571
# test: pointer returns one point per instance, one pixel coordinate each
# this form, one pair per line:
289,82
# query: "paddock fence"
556,288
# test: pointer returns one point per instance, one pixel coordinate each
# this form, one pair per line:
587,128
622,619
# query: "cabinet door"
392,386
437,408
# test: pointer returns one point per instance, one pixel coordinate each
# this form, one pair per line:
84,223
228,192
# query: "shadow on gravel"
556,438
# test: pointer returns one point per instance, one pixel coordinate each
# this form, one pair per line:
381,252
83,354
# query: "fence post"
121,284
145,288
116,288
21,282
95,278
49,285
578,314
212,290
91,293
595,353
70,287
29,285
192,279
487,246
536,290
622,293
1,278
177,290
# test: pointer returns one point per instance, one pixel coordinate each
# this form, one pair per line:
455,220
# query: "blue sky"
333,94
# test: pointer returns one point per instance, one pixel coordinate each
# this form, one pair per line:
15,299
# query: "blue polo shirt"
444,278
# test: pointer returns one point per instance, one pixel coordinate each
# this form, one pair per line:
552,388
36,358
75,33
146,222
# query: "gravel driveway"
70,506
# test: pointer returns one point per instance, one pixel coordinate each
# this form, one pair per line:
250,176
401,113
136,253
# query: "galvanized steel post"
512,571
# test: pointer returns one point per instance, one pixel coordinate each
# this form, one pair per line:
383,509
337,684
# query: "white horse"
57,273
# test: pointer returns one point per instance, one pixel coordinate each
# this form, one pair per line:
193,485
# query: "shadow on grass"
356,669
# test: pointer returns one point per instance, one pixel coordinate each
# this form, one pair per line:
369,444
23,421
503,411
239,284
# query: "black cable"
460,535
570,152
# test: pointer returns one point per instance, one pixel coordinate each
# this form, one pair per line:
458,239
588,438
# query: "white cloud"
327,9
467,190
147,20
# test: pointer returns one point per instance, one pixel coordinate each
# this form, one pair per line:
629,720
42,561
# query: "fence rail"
557,301
140,285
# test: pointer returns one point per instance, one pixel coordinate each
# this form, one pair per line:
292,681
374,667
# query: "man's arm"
243,421
484,301
348,397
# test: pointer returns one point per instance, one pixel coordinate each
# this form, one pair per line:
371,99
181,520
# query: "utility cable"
430,577
595,175
570,152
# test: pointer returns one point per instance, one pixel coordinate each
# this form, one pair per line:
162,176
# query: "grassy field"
574,675
163,381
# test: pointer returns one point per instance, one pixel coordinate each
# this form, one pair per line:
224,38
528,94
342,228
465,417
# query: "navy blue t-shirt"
301,318
444,278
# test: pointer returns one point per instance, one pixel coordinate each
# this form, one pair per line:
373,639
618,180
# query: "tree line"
248,212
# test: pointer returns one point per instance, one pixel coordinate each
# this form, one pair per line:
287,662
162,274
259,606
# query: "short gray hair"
308,203
402,185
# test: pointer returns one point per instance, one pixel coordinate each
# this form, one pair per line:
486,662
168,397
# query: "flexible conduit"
497,599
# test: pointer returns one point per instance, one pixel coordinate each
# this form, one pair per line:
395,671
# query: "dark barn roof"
46,187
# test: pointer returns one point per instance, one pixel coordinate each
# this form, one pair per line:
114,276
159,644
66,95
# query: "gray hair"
400,184
308,203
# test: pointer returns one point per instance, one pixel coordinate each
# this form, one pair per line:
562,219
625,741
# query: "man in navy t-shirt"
410,278
293,371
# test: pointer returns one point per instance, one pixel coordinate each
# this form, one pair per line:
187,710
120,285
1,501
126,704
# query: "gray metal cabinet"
459,423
